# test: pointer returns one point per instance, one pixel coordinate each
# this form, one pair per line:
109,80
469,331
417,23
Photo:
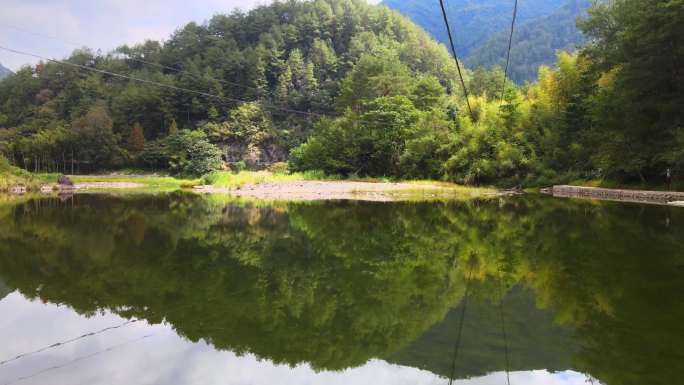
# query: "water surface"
182,289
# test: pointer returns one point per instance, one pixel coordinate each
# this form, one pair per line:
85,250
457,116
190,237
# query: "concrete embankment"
641,196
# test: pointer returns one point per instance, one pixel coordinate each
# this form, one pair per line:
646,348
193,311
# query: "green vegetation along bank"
357,90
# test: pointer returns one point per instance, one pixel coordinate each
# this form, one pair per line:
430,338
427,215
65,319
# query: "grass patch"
11,176
455,188
148,183
227,179
155,183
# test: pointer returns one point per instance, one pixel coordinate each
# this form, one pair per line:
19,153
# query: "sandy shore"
107,185
330,190
295,190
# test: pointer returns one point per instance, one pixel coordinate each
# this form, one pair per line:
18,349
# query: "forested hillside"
535,42
612,111
352,89
4,71
289,61
481,30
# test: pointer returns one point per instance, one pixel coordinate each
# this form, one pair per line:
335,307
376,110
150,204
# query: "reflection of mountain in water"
4,290
335,284
534,341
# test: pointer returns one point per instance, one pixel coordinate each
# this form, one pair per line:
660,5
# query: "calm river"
184,289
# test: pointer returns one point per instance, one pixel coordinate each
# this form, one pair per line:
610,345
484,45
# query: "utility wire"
453,52
508,55
57,344
460,328
161,85
76,360
128,57
503,329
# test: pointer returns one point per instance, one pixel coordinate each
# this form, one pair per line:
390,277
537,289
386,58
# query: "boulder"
17,189
63,180
46,189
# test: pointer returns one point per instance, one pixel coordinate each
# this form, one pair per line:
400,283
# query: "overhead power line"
161,85
78,359
57,344
508,55
460,328
135,59
453,52
503,328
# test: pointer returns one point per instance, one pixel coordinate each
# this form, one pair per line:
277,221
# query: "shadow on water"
596,288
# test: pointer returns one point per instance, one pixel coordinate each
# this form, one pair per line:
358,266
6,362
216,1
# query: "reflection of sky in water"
125,356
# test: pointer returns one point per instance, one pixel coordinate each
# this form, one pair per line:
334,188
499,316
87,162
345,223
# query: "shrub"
239,166
212,177
186,153
278,168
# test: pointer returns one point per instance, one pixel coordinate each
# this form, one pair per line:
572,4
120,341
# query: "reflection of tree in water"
336,284
242,278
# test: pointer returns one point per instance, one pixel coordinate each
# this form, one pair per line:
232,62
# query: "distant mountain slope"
481,29
473,21
4,71
535,42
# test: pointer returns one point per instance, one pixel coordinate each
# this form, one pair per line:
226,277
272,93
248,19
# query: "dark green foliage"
186,153
383,98
372,143
637,54
281,57
94,139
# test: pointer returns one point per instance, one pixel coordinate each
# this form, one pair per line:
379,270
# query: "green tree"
192,154
639,44
96,144
136,139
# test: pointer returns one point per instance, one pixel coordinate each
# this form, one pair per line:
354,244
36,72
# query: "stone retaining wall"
617,194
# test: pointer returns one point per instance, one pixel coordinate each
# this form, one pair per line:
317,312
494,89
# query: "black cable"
127,57
57,344
82,358
460,328
458,65
508,55
161,85
503,329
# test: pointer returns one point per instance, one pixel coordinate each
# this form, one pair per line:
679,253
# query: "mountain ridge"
4,71
534,43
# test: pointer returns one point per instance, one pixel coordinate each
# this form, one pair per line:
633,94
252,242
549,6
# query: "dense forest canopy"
288,56
355,89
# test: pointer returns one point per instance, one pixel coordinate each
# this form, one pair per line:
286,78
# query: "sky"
98,24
